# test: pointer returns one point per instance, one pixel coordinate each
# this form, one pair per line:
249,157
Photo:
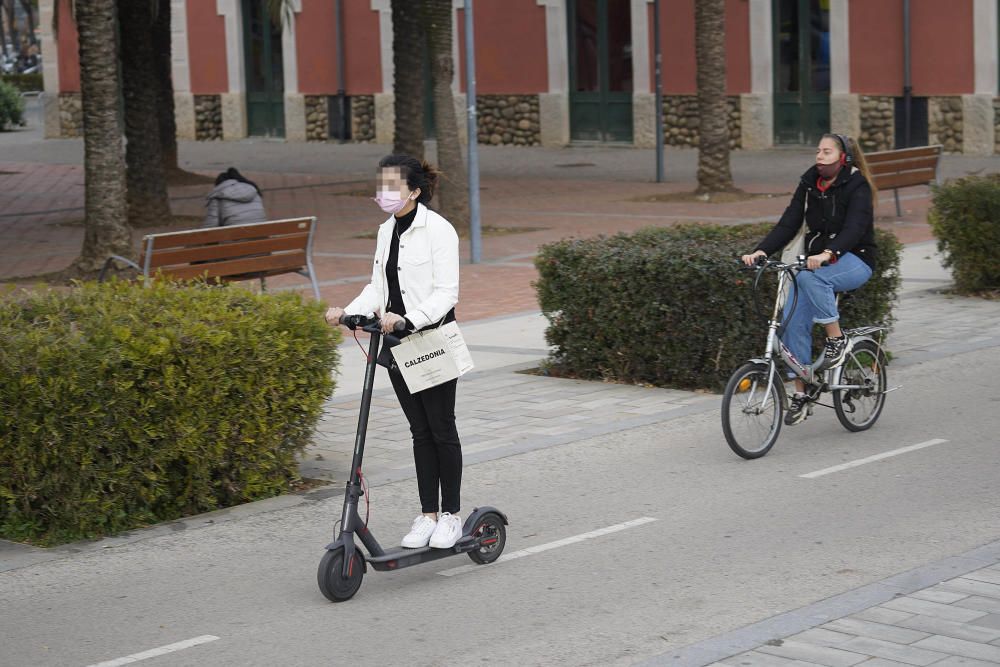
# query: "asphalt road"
732,542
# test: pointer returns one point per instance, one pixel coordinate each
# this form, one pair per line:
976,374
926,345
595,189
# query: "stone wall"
362,118
878,129
681,119
996,124
510,120
70,115
945,123
317,118
207,117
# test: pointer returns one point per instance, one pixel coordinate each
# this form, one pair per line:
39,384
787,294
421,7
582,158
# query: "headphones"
846,146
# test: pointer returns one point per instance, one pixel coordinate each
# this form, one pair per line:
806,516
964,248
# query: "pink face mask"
390,202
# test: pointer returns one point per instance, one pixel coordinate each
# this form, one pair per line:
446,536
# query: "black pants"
437,452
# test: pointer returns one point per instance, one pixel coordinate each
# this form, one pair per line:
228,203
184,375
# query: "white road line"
153,652
552,545
876,457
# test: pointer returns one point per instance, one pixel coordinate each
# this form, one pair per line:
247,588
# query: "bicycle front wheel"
858,409
751,414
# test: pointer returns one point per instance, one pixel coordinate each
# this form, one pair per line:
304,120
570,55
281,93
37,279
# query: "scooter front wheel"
491,534
332,582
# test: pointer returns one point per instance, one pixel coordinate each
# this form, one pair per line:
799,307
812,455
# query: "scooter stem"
366,405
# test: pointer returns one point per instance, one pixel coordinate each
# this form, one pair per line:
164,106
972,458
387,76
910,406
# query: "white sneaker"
447,532
420,532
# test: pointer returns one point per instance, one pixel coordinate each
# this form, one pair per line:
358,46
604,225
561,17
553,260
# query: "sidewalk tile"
822,655
988,621
875,630
959,661
758,659
975,602
973,631
972,587
935,609
821,637
938,595
878,648
882,615
960,647
882,662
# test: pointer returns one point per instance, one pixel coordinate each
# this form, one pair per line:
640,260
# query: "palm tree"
162,49
148,203
713,133
453,190
106,231
408,80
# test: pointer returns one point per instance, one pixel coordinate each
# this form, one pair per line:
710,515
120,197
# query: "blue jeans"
816,302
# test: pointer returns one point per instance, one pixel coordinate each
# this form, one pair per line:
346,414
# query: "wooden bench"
236,252
903,168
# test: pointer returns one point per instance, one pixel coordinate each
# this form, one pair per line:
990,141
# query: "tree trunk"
408,77
15,38
29,10
165,86
453,189
148,205
106,231
713,131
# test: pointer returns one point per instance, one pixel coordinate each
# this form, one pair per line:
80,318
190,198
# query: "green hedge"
122,405
25,82
668,306
11,107
965,217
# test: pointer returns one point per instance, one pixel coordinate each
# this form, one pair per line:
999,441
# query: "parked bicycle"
755,398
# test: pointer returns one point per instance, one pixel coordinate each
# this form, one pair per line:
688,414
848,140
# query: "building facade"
557,72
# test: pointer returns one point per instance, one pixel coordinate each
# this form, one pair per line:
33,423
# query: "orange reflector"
744,384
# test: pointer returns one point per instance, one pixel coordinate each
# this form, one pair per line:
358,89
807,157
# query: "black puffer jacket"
839,219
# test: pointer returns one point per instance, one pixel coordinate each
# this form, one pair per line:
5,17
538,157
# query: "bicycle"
755,399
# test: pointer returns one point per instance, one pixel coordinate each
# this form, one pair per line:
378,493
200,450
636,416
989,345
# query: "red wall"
677,43
69,51
206,48
943,62
316,43
511,54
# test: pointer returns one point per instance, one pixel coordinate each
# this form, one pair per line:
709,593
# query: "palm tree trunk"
15,40
106,230
164,79
408,79
148,205
713,132
29,11
453,189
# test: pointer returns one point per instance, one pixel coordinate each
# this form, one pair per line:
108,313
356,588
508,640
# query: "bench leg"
899,211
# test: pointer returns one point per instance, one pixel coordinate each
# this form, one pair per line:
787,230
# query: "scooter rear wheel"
330,576
492,534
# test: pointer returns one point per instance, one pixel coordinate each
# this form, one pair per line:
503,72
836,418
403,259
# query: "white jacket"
427,269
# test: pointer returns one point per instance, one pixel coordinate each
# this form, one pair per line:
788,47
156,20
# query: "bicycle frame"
775,350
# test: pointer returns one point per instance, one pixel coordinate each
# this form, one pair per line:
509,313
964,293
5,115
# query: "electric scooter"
343,566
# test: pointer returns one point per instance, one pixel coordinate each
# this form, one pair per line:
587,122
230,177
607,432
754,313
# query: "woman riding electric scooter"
415,281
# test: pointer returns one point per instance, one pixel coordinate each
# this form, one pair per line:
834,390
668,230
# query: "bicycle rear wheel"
751,414
859,409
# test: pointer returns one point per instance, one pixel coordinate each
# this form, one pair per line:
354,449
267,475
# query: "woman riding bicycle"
835,200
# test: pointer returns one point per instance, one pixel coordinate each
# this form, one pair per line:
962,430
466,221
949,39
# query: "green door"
801,70
600,70
264,71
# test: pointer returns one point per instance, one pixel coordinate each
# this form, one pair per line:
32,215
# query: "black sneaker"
834,352
798,410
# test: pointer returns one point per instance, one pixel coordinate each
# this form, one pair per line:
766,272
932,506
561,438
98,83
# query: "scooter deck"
406,557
